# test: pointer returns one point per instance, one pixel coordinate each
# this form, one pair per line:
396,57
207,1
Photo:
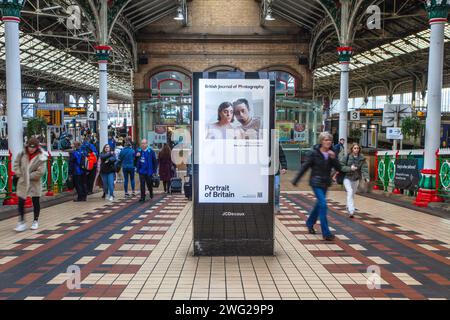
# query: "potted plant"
355,135
411,127
36,127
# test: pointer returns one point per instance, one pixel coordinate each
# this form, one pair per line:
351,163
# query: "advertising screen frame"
223,229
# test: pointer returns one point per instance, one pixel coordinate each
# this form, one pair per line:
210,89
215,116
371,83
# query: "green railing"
385,164
443,166
53,181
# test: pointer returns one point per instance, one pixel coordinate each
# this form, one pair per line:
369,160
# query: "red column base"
396,191
28,203
13,201
436,198
424,197
375,187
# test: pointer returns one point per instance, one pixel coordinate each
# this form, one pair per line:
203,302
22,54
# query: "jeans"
277,192
108,183
128,174
351,187
36,208
320,210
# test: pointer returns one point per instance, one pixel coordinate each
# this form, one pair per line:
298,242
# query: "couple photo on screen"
235,120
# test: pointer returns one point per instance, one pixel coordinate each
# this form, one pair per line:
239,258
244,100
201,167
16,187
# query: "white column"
343,103
103,95
13,85
435,67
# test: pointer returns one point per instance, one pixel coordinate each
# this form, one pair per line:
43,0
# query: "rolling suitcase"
176,185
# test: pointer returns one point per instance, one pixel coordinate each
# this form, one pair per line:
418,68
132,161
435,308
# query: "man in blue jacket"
77,172
146,166
126,157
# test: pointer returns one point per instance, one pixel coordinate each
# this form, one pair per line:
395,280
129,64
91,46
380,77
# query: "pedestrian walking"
147,165
165,166
107,171
127,156
354,166
321,160
77,171
29,167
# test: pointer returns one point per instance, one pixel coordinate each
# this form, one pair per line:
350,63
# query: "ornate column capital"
437,10
10,9
102,53
345,54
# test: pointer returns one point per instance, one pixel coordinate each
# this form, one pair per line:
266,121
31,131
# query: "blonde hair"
325,135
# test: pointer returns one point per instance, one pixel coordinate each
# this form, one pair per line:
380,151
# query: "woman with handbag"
165,166
355,168
108,171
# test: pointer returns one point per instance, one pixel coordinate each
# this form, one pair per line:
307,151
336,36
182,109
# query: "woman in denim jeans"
321,160
108,171
127,156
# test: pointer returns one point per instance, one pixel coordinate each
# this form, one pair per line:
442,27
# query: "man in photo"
250,125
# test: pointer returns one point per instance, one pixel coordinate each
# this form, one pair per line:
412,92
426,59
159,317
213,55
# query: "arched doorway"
168,109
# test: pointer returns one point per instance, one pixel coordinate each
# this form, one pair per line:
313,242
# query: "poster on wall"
285,129
160,134
151,137
300,133
233,140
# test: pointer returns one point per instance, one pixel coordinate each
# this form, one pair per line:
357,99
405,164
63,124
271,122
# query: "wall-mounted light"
269,15
179,15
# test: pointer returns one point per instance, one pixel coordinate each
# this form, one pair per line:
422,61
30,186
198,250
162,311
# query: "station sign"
75,112
355,115
394,133
53,113
370,112
92,115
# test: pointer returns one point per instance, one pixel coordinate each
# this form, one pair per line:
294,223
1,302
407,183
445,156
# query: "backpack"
341,175
90,160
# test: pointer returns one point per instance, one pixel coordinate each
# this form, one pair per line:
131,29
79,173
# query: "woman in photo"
355,167
223,128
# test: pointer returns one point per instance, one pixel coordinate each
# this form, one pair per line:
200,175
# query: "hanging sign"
51,112
394,133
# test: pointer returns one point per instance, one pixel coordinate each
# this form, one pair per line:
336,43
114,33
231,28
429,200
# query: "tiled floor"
130,250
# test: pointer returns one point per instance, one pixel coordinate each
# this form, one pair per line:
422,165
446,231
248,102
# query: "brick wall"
223,33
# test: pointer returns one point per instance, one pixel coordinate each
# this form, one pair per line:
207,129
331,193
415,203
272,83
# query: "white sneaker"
111,198
35,225
21,226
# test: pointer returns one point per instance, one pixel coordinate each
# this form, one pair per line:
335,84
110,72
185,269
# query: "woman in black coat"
321,160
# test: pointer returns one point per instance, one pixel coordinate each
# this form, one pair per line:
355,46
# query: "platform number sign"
92,115
355,116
